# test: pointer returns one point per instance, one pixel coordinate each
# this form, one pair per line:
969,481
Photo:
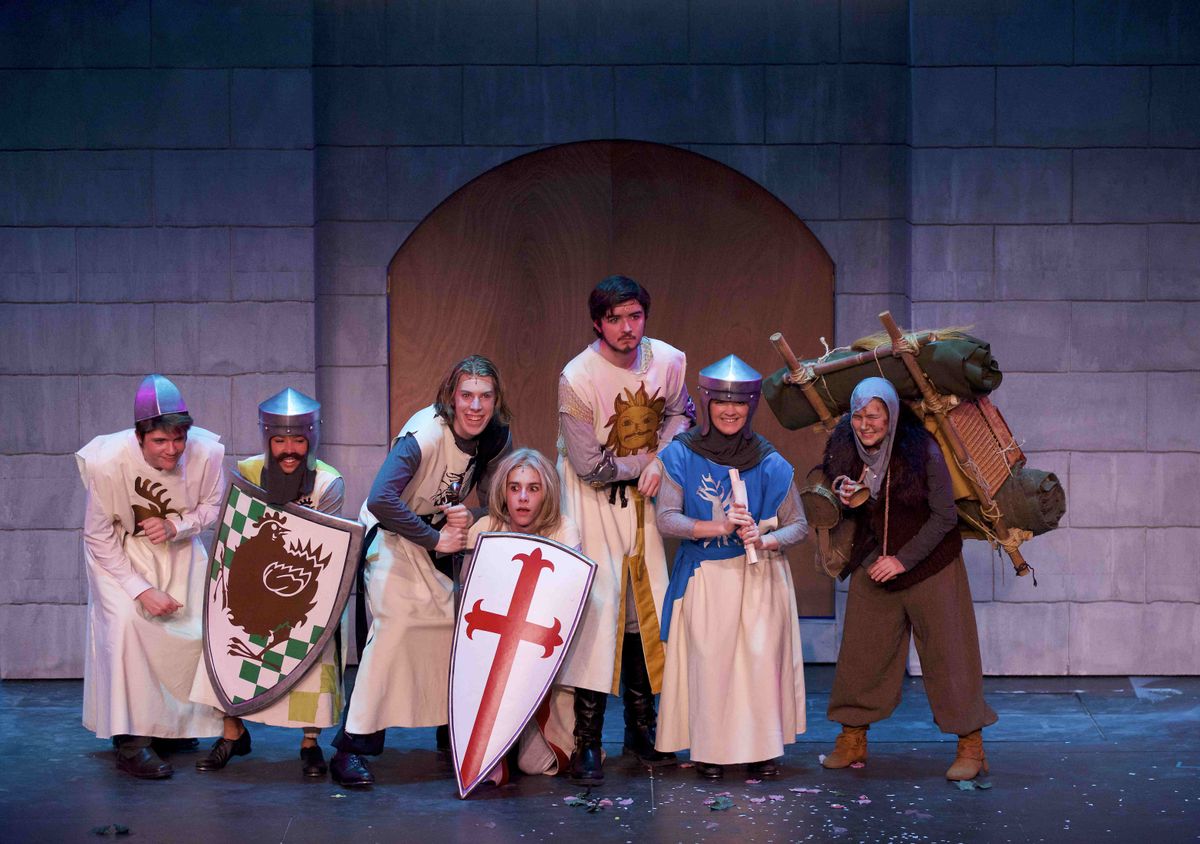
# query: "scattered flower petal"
753,782
836,806
720,804
775,796
858,764
625,801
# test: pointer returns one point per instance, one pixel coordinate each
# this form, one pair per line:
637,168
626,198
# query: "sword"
456,559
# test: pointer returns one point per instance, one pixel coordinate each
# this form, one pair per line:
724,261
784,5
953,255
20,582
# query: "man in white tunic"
289,471
151,490
416,523
621,401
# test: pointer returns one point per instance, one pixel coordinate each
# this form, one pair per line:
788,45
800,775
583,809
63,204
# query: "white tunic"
404,674
621,403
545,744
138,668
315,701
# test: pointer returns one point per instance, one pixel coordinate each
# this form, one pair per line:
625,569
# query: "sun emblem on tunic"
634,423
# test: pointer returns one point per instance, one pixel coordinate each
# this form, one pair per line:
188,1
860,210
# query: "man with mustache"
416,522
289,471
621,401
151,491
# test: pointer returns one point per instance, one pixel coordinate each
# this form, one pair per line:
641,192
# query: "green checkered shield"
279,577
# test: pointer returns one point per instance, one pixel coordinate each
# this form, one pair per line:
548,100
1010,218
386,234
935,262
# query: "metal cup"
851,490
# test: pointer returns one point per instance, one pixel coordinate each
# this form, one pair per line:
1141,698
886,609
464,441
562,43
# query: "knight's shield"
521,603
278,579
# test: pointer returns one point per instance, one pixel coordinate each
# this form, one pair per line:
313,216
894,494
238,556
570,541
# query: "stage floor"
1072,759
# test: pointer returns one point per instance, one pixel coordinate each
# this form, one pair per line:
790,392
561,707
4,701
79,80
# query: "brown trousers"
870,666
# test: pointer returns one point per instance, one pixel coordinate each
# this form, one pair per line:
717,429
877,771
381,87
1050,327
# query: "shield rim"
466,788
355,529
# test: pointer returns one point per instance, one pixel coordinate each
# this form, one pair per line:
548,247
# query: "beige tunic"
316,701
625,407
138,668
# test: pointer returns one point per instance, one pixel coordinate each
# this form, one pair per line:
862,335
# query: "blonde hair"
549,516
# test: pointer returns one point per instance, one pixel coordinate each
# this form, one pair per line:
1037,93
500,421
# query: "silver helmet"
157,396
291,413
730,379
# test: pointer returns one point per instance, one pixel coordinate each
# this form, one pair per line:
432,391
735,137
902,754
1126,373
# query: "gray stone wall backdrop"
185,170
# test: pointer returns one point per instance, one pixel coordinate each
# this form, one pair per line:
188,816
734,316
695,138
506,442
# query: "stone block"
359,464
354,403
1059,410
241,33
953,107
696,104
748,159
1137,32
991,186
42,641
375,106
234,339
870,255
39,339
41,109
952,263
273,264
1136,186
805,179
981,562
1171,632
1109,565
983,32
153,108
37,265
351,183
350,32
271,108
353,330
42,566
117,339
858,315
68,188
251,390
1134,490
1173,564
762,31
818,640
153,264
39,413
240,187
1174,262
1174,402
1049,554
874,181
1025,336
817,104
874,31
1132,336
1174,117
419,178
78,34
353,257
536,105
462,32
108,400
1072,106
1023,639
1105,638
612,32
40,492
1071,262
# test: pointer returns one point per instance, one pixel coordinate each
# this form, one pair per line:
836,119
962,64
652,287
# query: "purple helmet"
155,397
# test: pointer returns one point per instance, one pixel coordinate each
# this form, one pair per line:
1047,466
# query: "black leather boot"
640,719
223,750
587,760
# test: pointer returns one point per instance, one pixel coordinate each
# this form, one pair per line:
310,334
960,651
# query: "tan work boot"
970,759
851,747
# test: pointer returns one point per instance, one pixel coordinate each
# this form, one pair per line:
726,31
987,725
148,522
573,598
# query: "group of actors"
716,633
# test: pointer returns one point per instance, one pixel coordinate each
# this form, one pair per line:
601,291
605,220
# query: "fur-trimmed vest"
909,492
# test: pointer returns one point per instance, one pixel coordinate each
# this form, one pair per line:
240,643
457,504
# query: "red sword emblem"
513,629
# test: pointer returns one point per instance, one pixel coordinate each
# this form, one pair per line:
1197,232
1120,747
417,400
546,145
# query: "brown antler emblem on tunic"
156,494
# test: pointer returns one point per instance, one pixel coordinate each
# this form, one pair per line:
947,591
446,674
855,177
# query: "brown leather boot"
851,747
970,759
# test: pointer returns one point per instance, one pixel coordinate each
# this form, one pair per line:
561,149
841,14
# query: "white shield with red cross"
521,603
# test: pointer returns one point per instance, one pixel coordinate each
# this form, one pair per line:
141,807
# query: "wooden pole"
796,376
934,403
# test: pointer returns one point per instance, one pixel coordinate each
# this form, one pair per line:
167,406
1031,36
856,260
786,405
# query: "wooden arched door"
503,268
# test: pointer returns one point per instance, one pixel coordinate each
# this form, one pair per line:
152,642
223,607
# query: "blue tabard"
707,496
